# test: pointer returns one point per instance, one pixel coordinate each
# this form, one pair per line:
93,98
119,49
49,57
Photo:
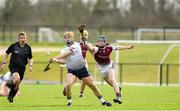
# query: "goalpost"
171,44
47,34
139,32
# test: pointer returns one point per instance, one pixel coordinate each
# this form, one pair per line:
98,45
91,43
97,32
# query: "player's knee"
68,86
16,80
16,77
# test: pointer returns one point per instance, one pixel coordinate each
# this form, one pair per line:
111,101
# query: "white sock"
119,98
102,100
69,100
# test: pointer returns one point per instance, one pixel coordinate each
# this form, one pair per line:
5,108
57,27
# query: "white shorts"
6,77
104,69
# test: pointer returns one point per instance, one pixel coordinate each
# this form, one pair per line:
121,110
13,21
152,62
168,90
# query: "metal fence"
149,73
140,74
128,73
9,33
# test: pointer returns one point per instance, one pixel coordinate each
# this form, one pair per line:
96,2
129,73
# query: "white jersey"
74,61
6,77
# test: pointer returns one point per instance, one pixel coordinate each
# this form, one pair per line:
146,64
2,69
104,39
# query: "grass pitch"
49,97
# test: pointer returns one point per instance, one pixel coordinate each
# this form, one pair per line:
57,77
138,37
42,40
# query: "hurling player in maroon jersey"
102,53
84,49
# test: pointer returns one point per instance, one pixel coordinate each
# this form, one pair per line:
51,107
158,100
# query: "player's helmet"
102,38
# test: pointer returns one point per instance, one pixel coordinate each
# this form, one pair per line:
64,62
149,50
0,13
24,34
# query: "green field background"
49,97
140,64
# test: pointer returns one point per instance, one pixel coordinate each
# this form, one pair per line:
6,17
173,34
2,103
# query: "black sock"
99,97
69,98
120,91
13,91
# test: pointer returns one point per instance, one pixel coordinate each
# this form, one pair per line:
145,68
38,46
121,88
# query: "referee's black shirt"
19,55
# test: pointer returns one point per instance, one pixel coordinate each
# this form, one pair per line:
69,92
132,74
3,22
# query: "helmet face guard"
102,38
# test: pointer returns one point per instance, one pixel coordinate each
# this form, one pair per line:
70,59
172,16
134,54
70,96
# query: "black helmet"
102,38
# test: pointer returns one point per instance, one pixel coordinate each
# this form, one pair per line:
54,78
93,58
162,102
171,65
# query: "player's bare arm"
60,58
30,64
125,47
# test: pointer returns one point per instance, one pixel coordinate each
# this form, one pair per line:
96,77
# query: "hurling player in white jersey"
6,81
82,42
102,53
76,68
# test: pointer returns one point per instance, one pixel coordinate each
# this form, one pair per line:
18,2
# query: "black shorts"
81,73
18,69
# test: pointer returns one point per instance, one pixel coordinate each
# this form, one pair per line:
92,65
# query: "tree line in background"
156,13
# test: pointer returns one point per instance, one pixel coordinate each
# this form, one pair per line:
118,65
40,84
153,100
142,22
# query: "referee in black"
21,55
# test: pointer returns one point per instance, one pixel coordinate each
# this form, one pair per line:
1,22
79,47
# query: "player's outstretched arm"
61,58
125,47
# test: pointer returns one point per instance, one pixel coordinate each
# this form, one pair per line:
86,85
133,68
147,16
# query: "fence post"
133,35
36,33
167,74
164,33
11,33
160,78
120,73
61,74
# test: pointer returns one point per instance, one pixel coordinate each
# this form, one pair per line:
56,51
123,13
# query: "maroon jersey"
102,55
83,48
